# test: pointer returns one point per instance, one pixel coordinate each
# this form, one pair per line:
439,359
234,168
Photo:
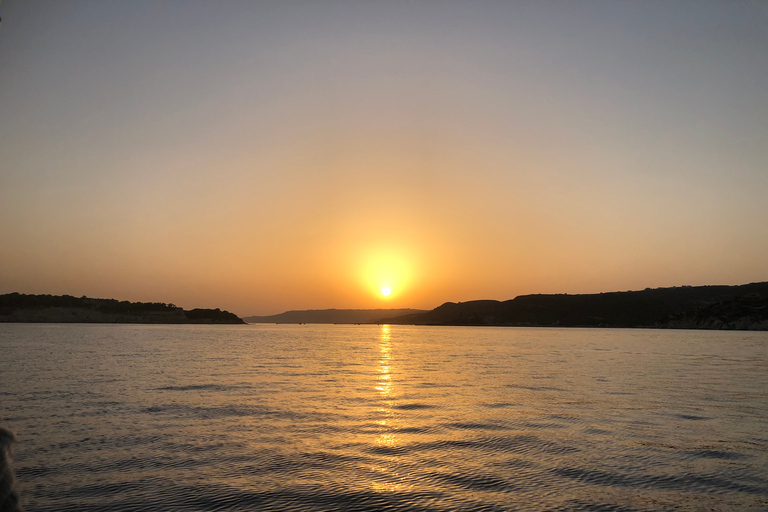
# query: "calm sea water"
312,417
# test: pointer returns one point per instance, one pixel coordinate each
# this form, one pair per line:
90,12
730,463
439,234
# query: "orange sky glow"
261,157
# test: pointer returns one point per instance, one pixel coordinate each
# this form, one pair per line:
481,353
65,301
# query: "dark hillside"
18,307
331,316
722,307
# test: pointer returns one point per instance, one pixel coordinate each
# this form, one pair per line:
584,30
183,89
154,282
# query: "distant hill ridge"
332,316
18,307
743,307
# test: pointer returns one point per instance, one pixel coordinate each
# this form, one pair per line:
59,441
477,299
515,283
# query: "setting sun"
386,272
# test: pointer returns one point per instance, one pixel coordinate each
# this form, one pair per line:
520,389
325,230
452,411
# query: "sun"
385,273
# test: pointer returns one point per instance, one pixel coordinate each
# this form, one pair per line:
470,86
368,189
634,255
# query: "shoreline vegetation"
743,307
18,307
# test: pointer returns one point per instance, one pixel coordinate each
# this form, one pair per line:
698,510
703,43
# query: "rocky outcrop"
9,497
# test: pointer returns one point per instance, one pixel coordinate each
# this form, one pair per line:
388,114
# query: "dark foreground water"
310,417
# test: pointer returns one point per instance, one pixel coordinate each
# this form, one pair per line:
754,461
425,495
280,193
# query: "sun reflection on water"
387,478
385,387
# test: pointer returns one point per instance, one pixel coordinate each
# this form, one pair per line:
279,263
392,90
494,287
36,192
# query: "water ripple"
692,482
358,418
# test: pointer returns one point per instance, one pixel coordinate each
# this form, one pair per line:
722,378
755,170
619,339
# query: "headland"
19,307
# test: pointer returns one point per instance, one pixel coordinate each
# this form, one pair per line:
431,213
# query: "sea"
379,417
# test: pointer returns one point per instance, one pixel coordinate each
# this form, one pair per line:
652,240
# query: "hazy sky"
264,156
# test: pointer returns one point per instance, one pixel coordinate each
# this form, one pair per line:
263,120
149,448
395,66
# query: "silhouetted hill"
17,307
691,307
212,316
331,316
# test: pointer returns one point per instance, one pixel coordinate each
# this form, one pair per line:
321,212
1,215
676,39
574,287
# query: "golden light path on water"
387,439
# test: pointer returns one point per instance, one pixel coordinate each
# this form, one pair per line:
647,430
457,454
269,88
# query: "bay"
345,417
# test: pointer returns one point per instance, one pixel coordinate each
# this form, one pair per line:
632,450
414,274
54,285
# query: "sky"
267,156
